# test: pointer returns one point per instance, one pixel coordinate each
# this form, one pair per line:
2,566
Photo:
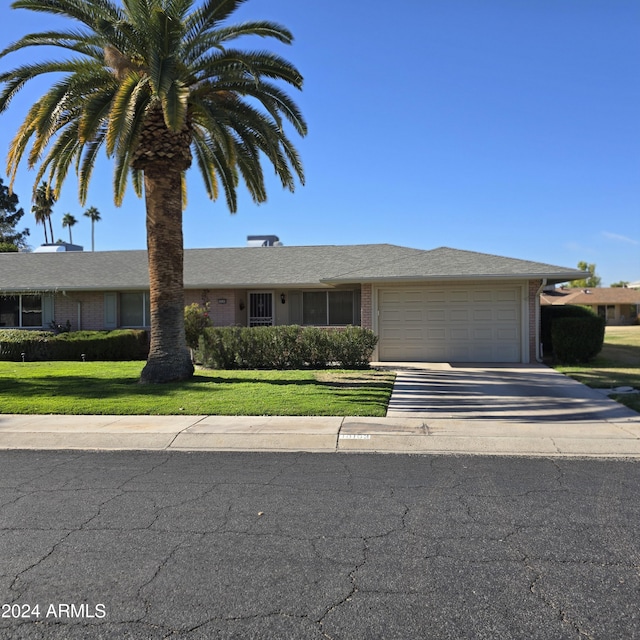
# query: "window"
607,311
21,311
314,307
330,308
134,309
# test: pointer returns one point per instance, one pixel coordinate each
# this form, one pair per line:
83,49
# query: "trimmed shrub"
548,315
15,342
285,347
352,348
577,340
121,344
220,348
316,347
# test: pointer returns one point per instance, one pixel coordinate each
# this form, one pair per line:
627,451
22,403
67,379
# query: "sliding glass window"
134,309
327,308
21,311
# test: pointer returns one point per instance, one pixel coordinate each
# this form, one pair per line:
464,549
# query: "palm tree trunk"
93,234
50,228
169,358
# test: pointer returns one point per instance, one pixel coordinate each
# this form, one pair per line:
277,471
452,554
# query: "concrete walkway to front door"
513,393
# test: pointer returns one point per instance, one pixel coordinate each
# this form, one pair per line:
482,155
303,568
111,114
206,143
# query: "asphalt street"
209,545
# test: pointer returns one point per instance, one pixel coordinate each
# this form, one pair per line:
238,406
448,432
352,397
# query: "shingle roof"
264,267
597,295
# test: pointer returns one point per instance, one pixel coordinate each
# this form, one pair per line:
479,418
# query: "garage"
473,323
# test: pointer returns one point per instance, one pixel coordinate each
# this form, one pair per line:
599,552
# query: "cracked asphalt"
305,546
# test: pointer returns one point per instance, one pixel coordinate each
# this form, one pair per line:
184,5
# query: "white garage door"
457,324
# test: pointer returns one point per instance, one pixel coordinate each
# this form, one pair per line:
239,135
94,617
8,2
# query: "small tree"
620,285
196,320
591,282
68,221
9,218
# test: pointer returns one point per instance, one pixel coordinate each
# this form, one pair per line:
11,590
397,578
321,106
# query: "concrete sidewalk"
603,438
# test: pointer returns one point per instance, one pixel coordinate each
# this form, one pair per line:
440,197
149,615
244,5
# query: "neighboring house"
441,305
618,305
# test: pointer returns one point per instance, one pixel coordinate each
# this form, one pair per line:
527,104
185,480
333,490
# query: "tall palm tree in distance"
68,221
43,200
40,219
94,215
157,84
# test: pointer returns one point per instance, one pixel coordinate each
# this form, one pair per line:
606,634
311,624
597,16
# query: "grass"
112,388
617,365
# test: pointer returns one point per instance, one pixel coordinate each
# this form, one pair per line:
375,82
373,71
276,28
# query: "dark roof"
267,266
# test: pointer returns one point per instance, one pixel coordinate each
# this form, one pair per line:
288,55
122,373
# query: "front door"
260,309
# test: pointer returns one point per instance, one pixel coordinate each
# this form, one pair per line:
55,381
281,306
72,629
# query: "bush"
33,344
352,348
285,347
196,320
220,348
548,315
316,348
577,340
122,344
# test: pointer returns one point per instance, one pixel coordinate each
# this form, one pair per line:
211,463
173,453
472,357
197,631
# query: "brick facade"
221,314
366,302
83,310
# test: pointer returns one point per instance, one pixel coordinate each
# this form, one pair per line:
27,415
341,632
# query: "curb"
620,438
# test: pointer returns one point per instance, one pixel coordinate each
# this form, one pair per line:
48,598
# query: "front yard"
111,388
617,365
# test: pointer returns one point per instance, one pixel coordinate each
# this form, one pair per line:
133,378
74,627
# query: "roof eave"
551,278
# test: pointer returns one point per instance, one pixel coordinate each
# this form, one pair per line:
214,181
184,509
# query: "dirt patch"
354,379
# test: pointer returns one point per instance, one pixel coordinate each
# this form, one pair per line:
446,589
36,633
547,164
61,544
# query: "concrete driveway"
514,393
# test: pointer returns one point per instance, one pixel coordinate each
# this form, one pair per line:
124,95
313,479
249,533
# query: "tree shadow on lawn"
93,388
103,388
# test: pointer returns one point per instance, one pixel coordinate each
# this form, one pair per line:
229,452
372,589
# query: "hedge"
121,344
549,314
285,347
577,340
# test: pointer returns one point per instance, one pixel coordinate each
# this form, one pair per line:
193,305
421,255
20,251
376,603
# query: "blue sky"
502,126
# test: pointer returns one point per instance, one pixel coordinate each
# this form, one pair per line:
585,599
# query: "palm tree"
43,201
40,219
68,221
94,215
156,83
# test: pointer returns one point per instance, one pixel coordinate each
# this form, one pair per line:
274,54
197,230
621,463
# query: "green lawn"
112,388
617,365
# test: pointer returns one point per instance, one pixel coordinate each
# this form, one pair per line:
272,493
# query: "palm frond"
85,12
86,164
123,108
209,15
78,41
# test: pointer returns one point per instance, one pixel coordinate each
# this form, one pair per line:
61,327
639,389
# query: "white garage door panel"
459,324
